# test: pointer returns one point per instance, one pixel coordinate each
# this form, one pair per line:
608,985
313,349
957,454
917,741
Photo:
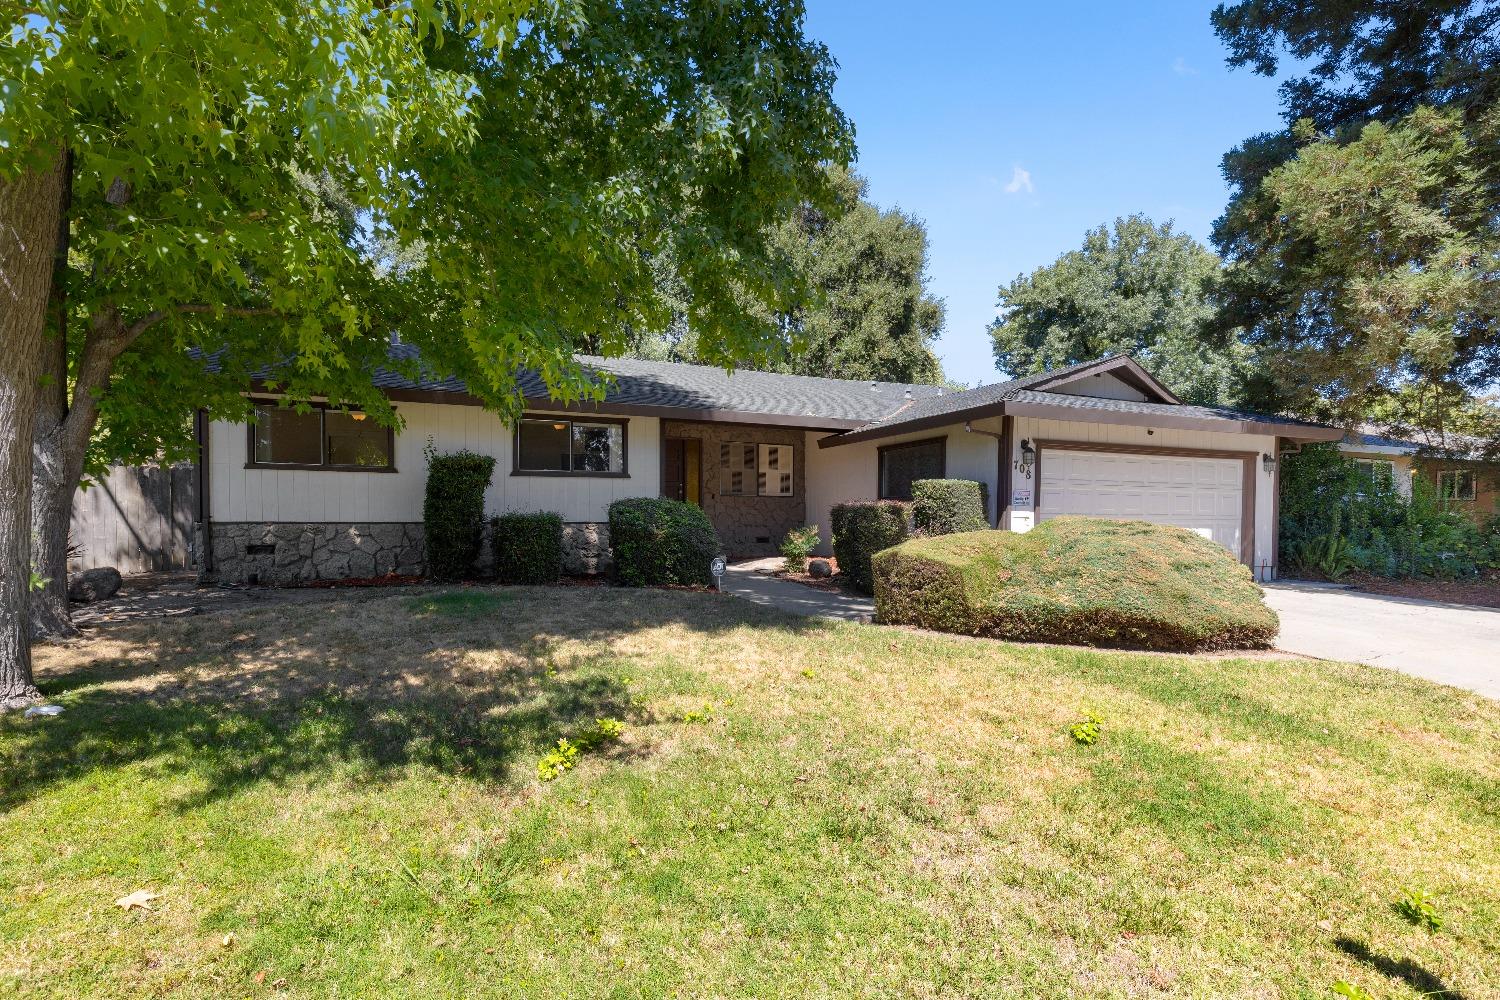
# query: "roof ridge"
591,359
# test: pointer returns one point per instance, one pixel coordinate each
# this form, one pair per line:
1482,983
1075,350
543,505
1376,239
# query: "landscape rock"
819,568
93,584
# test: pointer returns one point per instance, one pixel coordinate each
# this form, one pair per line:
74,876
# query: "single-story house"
1465,481
327,495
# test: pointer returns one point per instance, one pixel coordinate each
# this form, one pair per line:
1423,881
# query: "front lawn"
341,798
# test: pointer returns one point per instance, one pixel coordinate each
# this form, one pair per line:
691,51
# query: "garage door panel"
1203,495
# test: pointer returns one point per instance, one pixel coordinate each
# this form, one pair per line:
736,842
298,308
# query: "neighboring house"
1467,482
330,495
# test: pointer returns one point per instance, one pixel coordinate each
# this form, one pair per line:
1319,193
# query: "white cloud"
1181,68
1020,180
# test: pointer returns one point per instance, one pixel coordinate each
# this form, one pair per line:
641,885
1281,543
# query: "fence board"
138,519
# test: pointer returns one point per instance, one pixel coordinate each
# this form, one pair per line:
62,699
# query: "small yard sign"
717,569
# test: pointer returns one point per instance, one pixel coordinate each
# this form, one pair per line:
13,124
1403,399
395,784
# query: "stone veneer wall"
742,521
283,553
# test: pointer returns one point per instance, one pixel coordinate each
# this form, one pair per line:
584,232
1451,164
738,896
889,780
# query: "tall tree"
860,307
1378,197
870,316
539,157
1134,287
1375,264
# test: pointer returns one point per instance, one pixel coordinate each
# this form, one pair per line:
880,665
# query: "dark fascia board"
1058,411
1222,425
1123,367
704,414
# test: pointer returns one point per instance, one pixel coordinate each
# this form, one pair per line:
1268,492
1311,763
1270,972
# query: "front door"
682,469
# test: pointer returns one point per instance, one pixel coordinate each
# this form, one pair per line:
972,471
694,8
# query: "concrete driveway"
1448,643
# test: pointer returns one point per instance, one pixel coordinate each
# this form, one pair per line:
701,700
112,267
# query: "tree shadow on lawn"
466,682
1405,970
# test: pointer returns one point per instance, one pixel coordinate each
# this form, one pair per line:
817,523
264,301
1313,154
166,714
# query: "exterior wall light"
1028,458
1268,462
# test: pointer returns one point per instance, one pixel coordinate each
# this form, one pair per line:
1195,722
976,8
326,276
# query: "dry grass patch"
345,791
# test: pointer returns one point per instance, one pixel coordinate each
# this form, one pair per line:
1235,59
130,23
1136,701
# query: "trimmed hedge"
657,541
862,528
1077,580
453,511
528,547
948,506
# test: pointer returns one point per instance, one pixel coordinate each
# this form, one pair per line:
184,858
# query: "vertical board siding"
311,495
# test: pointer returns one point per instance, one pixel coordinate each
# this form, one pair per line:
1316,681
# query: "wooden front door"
682,469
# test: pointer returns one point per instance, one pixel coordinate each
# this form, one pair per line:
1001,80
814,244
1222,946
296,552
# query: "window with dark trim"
321,438
903,464
558,446
1457,484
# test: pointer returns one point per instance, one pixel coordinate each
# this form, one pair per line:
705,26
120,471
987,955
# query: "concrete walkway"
751,581
1455,644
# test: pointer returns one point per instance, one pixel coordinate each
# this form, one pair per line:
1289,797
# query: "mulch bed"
1483,592
834,584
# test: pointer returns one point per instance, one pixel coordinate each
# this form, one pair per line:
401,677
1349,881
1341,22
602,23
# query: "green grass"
346,792
1077,580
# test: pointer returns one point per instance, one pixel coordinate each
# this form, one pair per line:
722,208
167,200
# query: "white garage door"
1200,494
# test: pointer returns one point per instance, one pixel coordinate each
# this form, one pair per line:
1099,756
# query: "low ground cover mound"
1077,580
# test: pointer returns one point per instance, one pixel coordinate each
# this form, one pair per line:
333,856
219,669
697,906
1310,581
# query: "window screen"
328,439
903,464
355,440
286,437
570,446
598,448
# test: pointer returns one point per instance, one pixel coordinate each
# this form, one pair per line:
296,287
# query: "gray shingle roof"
1379,441
957,403
876,409
1154,409
670,385
986,400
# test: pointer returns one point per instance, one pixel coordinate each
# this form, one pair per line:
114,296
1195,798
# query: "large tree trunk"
54,479
54,475
29,205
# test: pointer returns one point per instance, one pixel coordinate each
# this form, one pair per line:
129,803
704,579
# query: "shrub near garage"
948,506
1077,580
453,510
528,547
656,541
862,528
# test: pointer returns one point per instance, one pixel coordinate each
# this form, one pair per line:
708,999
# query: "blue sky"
1013,128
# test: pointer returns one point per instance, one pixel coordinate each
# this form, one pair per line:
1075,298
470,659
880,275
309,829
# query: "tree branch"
154,317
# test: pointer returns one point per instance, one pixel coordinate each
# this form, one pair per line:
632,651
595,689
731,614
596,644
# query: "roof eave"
1055,411
1376,449
699,414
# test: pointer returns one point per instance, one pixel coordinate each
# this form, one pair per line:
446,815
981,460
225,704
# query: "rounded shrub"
1077,580
862,528
453,511
528,547
947,506
656,541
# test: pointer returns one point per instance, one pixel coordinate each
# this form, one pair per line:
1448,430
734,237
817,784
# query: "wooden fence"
138,519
